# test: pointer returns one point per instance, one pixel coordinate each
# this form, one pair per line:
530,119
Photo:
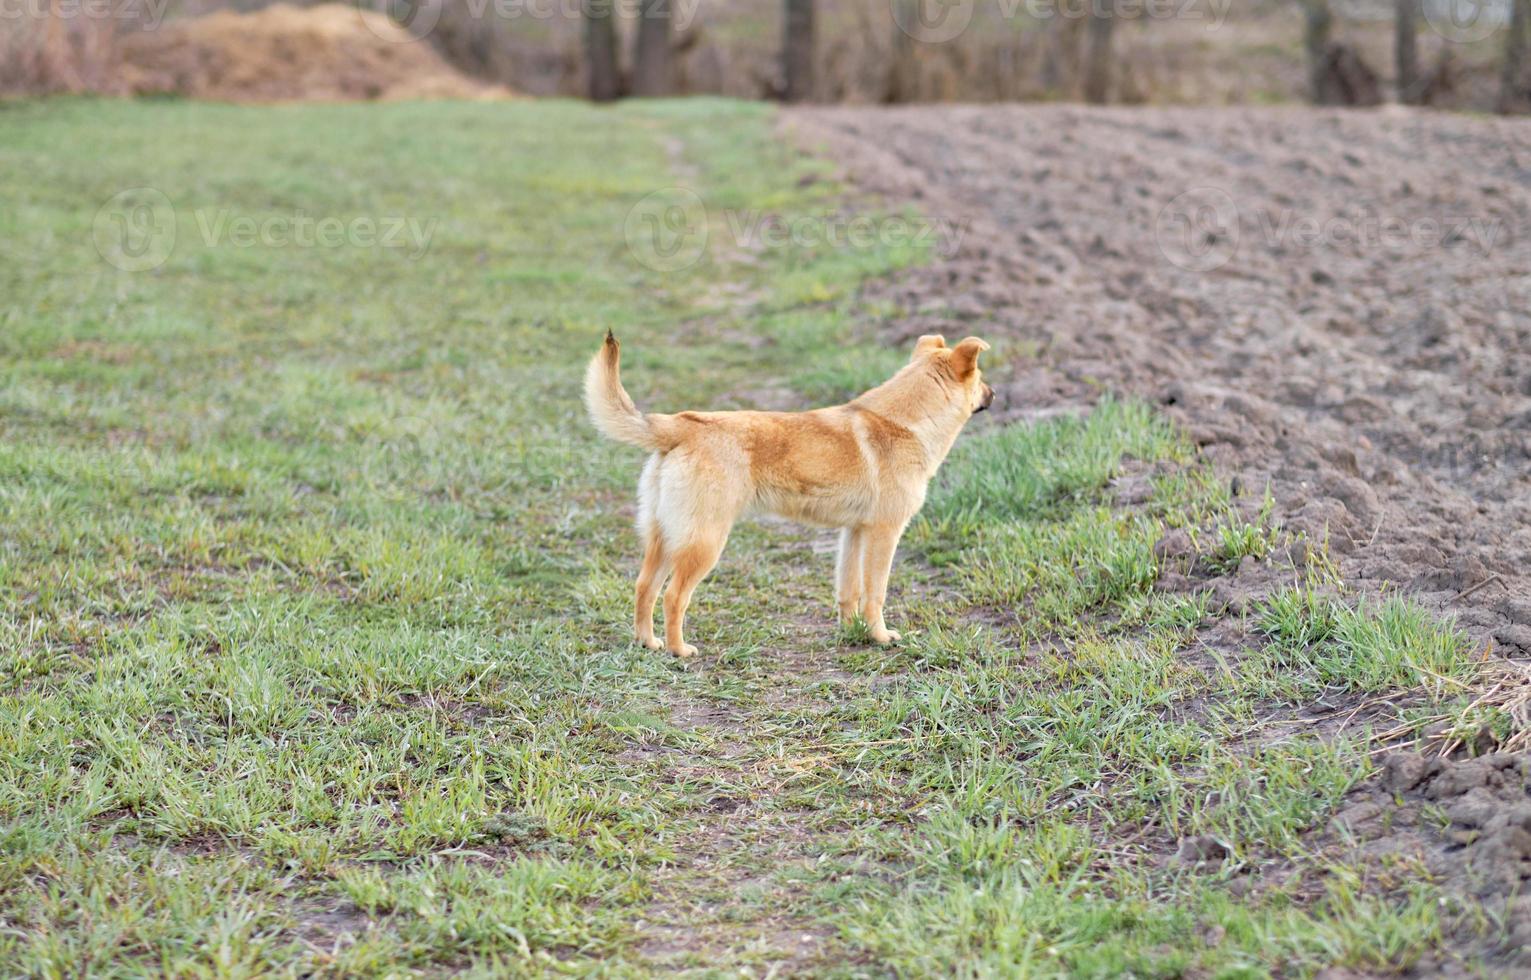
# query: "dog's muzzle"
986,400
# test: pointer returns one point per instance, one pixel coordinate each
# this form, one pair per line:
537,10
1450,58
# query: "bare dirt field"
1336,304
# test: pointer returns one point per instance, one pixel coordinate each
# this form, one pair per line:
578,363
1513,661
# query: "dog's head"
956,368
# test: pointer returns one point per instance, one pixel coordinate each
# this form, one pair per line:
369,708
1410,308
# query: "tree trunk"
797,51
1061,62
902,73
1318,23
651,49
603,80
1406,52
1097,71
1514,83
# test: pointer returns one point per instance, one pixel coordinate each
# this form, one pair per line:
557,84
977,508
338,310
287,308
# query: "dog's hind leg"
701,495
848,574
656,563
881,541
656,560
693,561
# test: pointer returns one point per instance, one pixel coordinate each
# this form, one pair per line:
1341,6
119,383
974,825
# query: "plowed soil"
1336,304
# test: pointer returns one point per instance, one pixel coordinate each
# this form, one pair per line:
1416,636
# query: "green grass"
314,575
1086,715
314,600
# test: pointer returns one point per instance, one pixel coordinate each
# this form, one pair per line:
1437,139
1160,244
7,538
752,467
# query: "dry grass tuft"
1497,718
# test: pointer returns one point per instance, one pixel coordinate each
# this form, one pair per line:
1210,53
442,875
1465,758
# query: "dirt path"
1335,303
738,895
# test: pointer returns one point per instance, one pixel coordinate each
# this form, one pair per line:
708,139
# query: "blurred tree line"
1457,54
1337,72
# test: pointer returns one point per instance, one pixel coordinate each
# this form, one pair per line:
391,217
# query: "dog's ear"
965,356
926,344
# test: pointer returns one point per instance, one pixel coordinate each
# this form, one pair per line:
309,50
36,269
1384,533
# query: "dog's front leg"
848,574
879,542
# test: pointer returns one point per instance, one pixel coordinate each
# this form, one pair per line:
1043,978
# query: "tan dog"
862,467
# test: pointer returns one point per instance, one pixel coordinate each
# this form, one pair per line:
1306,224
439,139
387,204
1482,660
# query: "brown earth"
328,53
1467,821
1336,304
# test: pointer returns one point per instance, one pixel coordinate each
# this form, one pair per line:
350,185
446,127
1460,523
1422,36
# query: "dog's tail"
610,407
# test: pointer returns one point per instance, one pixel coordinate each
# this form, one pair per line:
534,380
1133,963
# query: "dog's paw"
686,650
886,636
653,642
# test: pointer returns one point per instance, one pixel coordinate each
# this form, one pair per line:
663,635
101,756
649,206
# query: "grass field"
314,605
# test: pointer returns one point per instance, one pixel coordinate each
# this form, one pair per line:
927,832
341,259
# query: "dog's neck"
935,416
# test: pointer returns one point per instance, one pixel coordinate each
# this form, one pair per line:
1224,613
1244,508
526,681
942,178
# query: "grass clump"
1364,646
524,910
1023,513
1037,471
1237,538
